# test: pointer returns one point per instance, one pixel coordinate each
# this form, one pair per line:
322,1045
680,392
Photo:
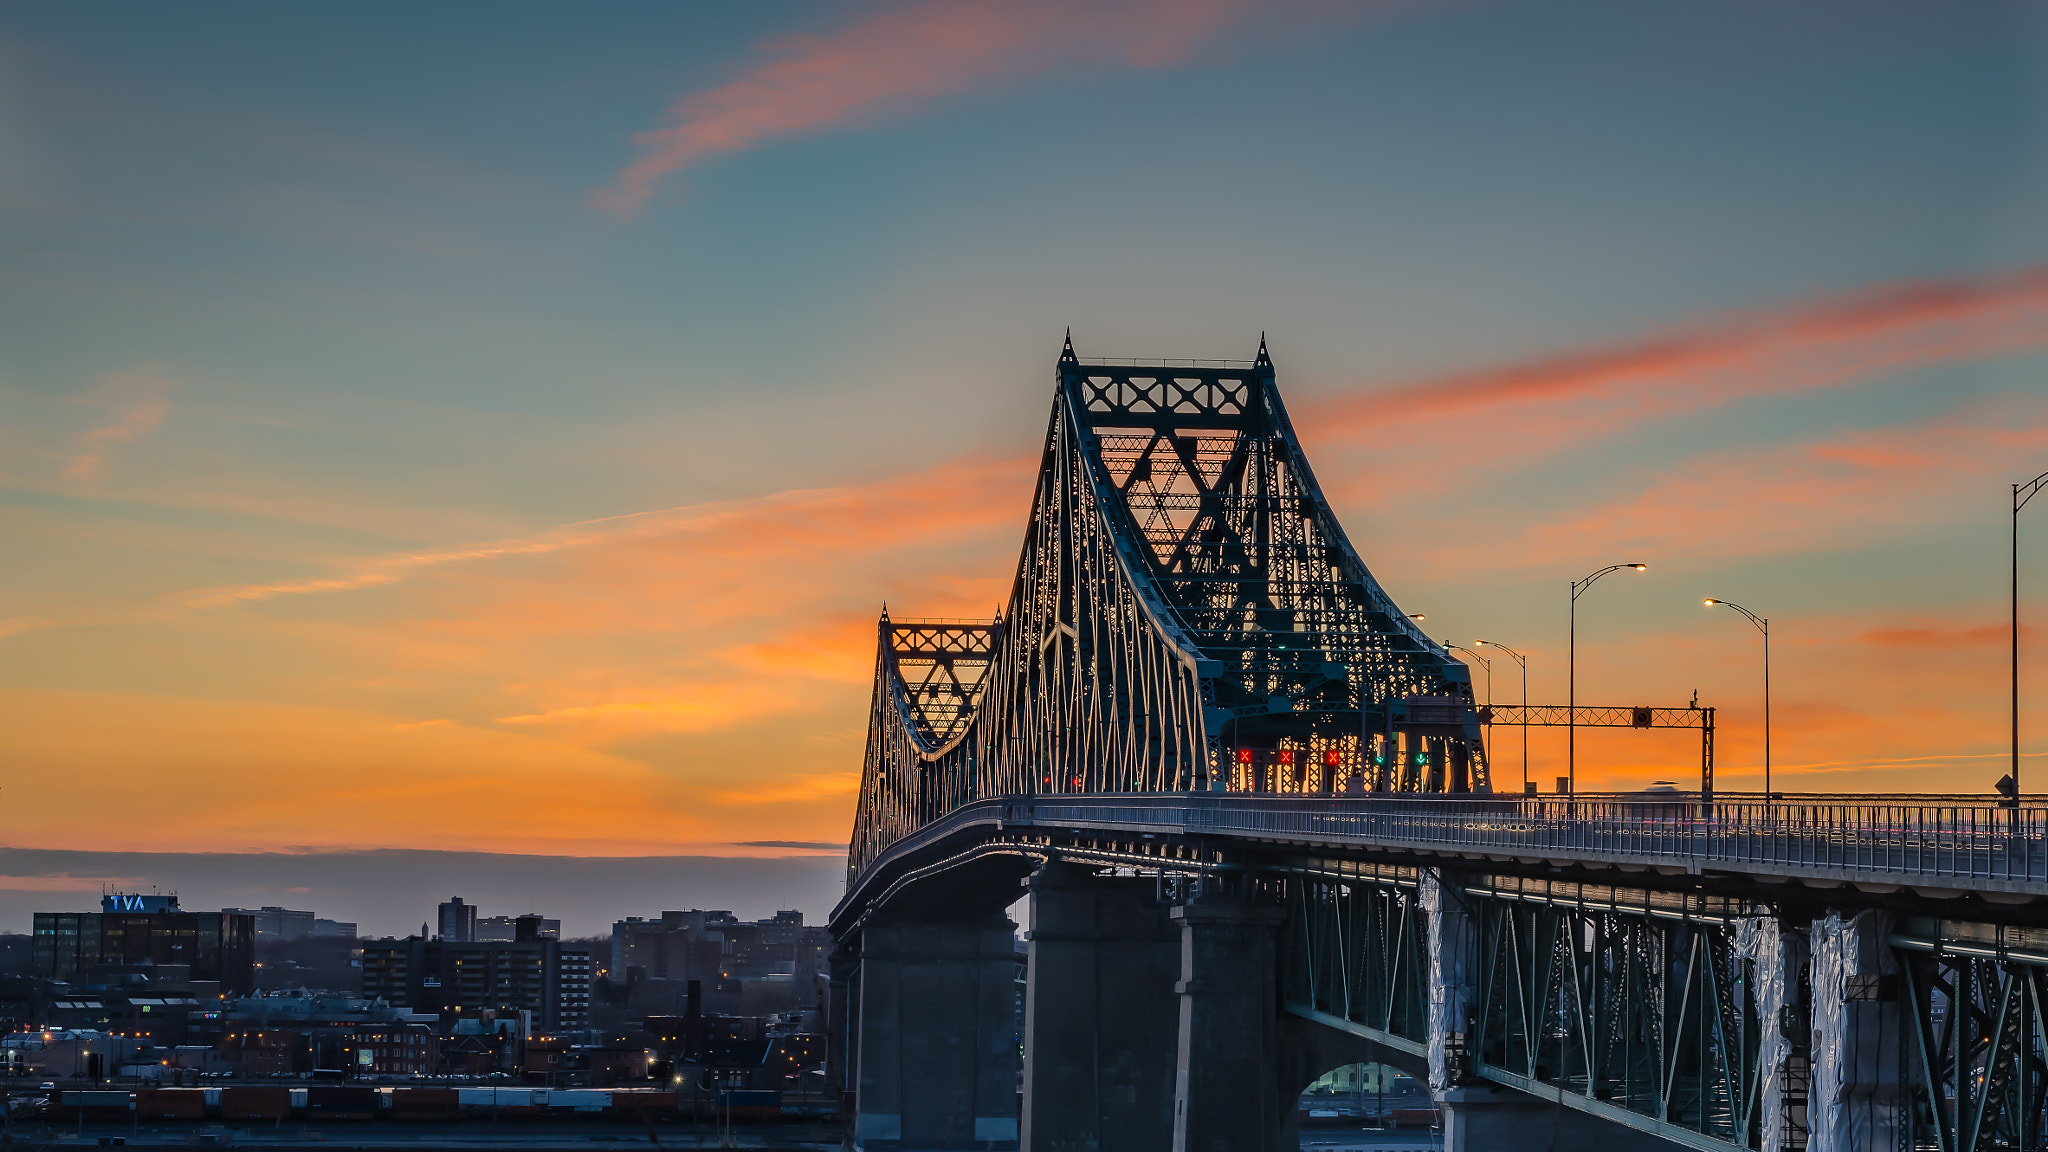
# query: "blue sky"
317,328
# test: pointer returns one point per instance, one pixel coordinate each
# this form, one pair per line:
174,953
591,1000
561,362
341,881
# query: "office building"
458,921
323,929
530,974
274,923
499,928
133,930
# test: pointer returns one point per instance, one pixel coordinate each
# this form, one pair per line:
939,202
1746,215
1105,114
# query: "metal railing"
1962,839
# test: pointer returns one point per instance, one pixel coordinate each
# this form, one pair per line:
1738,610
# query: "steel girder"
1640,1010
1187,615
1974,1062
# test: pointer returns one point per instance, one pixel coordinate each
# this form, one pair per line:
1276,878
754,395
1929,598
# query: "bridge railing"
1936,837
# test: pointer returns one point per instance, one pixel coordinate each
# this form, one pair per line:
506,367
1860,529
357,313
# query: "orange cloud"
1782,499
137,403
256,775
1948,638
1818,344
905,56
802,526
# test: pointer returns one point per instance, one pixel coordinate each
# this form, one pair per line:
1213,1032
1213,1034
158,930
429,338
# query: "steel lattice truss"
1646,1010
1187,615
1975,1054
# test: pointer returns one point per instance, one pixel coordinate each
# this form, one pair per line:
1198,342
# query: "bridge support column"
842,1045
1453,946
938,1036
1099,1015
1856,1034
1226,1096
1778,958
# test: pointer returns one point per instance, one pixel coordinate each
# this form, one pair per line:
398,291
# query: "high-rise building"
540,976
458,921
273,923
133,929
680,946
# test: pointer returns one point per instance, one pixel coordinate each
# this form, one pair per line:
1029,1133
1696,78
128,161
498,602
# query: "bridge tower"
1187,615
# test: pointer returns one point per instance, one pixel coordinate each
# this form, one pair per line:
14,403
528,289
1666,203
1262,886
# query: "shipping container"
641,1104
425,1104
102,1106
341,1103
578,1100
255,1102
170,1104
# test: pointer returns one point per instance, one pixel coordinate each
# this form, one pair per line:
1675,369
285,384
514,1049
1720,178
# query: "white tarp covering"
1855,1035
1450,939
1777,957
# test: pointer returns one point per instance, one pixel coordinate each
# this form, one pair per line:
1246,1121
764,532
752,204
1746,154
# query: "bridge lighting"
2030,489
1571,728
1763,626
1524,662
1332,758
1244,755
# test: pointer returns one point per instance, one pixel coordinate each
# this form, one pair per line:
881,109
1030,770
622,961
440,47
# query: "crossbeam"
1596,716
1591,716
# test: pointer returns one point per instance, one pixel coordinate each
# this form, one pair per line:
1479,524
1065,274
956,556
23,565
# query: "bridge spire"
1264,360
1067,352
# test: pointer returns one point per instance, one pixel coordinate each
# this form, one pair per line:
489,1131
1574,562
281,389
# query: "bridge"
1250,807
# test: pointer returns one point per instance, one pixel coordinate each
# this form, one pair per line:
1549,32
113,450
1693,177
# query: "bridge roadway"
1616,970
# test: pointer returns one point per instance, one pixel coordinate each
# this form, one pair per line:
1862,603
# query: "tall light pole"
1524,662
1763,626
1571,691
2021,493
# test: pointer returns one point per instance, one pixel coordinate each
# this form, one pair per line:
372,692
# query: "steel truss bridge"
1250,805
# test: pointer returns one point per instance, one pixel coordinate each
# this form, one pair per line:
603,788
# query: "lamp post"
1763,626
1488,666
1483,663
1524,662
2021,493
1571,712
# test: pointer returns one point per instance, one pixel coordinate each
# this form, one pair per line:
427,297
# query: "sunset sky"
495,427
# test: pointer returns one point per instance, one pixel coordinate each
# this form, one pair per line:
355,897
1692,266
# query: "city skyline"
514,457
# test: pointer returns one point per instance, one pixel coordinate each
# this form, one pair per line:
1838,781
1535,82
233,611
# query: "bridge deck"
1936,845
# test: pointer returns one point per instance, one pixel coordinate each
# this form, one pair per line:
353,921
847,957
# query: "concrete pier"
1100,1015
1226,1096
937,1036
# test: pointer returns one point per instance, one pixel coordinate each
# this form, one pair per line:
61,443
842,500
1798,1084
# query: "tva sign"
133,902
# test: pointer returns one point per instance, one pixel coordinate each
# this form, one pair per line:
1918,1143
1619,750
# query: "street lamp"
1483,663
2019,501
1488,665
1763,626
1571,711
1524,662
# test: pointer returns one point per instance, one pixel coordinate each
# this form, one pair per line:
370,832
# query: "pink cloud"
137,404
1784,499
908,55
1826,343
